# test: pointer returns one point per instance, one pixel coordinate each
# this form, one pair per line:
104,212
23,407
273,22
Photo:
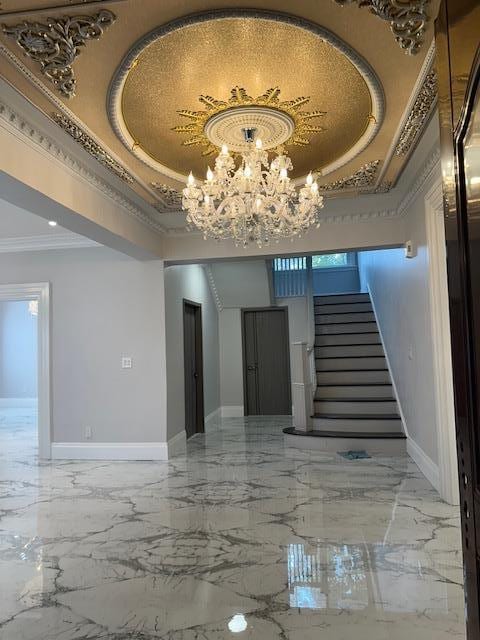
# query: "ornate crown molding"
213,287
12,120
418,115
91,147
170,198
45,242
361,179
56,43
407,18
422,176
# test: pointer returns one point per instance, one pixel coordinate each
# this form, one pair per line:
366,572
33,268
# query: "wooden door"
266,362
458,63
193,366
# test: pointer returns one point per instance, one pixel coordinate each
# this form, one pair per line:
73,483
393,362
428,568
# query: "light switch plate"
126,362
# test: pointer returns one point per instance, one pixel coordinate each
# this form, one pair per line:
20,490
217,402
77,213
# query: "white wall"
189,282
18,350
231,361
104,305
399,289
242,284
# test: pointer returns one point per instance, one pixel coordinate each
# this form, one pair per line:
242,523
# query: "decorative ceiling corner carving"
56,43
384,187
407,18
91,147
418,115
361,179
170,198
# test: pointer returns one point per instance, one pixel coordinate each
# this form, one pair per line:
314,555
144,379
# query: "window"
290,264
290,276
328,260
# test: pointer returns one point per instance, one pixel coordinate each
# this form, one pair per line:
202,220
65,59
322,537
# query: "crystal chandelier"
252,200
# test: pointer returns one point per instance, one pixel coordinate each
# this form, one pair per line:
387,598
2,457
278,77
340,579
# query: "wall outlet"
126,362
88,433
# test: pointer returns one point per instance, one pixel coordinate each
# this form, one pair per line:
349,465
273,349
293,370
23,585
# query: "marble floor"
239,538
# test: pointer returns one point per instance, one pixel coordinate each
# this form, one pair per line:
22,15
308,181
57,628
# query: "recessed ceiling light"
52,223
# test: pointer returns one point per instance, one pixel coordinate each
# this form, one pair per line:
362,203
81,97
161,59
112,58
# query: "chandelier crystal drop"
252,200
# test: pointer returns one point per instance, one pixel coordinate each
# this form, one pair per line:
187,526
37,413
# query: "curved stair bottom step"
356,423
332,442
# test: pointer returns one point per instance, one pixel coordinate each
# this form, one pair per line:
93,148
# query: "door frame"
284,309
200,408
441,342
40,292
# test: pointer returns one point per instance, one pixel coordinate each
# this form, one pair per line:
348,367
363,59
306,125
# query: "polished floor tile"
242,537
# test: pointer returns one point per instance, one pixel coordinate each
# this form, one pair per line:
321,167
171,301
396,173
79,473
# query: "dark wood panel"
193,368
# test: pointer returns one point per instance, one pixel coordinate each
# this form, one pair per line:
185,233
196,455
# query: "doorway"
193,367
266,361
35,301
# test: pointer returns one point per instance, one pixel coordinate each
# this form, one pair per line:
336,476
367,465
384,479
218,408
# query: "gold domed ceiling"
114,75
207,56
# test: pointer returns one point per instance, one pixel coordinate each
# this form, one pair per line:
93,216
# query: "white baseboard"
426,465
110,450
213,416
177,445
18,403
389,367
232,411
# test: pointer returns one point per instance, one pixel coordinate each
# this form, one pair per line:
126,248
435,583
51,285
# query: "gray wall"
333,280
190,282
18,350
231,359
104,305
399,289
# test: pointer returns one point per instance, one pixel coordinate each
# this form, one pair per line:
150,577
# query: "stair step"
350,378
355,406
354,392
346,327
355,363
355,423
332,318
337,339
315,433
349,351
340,307
342,297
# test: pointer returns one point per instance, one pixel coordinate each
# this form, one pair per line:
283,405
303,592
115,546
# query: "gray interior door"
266,362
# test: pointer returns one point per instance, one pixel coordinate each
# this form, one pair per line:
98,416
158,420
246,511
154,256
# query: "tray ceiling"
136,69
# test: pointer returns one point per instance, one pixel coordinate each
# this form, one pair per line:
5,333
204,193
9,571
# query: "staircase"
354,396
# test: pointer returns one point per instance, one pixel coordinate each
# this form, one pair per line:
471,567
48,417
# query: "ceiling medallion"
276,122
253,200
56,43
408,19
363,178
91,147
419,113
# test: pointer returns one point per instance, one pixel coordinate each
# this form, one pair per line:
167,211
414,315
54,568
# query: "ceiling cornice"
213,287
68,113
17,124
431,163
45,242
426,69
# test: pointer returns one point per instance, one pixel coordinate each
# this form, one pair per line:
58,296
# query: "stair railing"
311,332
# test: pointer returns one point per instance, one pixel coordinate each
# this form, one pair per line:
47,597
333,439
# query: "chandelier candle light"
253,202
